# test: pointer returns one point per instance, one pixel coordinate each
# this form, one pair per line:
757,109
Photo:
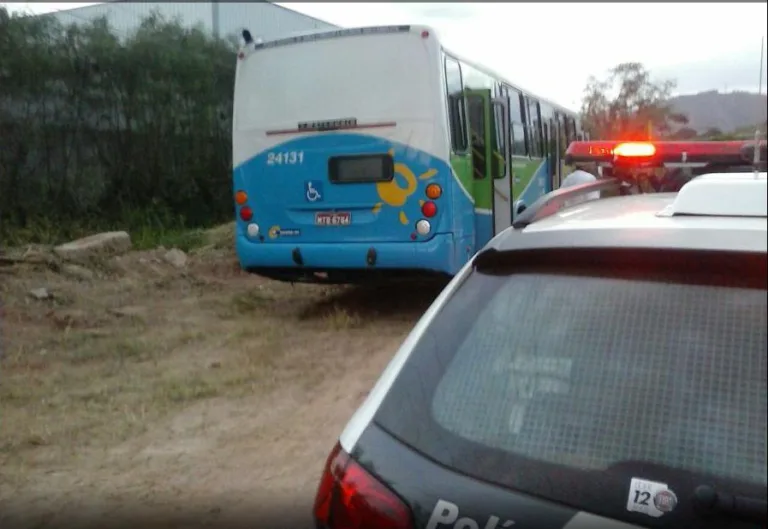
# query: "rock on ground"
111,243
77,272
40,294
176,258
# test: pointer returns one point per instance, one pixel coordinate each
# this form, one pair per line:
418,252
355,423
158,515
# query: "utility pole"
215,18
756,156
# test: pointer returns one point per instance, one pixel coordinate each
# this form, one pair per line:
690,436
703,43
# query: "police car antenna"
756,155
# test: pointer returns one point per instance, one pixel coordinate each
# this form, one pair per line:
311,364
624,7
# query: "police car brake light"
350,498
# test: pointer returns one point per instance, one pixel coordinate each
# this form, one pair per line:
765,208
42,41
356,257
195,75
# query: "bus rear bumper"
433,256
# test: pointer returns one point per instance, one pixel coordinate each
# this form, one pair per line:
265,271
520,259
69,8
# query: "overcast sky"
552,49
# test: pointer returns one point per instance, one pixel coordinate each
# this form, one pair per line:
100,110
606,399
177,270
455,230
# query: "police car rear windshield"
566,382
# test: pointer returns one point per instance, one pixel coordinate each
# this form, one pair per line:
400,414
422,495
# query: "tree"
712,133
743,133
628,105
103,131
685,133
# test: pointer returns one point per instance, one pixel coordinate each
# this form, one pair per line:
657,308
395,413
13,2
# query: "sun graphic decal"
392,194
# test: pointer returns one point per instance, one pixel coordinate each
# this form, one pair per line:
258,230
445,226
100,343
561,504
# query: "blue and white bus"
374,151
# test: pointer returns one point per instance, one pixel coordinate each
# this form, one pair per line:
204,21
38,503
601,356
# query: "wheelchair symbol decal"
313,190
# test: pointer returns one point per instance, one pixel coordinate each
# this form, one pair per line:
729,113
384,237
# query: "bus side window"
547,116
516,127
501,121
500,141
571,130
580,131
534,122
456,107
476,105
563,134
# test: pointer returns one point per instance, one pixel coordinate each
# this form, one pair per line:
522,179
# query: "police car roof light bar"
662,153
554,201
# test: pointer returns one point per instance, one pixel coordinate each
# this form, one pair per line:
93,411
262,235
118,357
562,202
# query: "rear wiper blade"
709,501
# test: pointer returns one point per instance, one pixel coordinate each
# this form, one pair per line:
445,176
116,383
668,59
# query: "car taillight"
350,498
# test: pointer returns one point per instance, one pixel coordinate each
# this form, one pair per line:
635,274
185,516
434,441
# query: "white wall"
124,17
263,19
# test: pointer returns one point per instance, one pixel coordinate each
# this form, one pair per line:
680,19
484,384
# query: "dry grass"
107,360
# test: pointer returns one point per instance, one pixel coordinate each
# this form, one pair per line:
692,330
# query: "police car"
597,366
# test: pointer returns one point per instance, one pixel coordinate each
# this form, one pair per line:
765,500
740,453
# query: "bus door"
546,148
489,128
502,169
554,151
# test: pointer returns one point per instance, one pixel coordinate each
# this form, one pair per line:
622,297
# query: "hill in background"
727,112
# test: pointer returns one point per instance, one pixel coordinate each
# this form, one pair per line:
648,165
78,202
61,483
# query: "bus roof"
341,32
322,34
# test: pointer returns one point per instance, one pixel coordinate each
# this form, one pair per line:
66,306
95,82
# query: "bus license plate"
333,219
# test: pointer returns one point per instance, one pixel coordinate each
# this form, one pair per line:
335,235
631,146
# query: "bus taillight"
246,213
241,197
429,209
433,191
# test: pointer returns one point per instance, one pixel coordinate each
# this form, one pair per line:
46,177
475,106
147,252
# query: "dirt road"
180,396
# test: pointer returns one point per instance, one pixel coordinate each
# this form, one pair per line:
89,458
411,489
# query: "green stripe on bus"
523,171
462,166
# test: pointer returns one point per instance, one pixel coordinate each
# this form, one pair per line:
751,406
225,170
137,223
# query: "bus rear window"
367,168
567,386
373,78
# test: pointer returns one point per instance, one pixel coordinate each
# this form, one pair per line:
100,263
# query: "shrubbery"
98,132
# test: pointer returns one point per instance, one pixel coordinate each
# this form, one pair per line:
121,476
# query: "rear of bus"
340,156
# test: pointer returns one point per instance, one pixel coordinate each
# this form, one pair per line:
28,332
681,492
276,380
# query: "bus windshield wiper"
709,501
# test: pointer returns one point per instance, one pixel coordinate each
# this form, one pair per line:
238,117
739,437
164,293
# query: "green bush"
99,132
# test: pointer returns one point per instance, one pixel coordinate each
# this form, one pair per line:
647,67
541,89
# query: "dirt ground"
191,396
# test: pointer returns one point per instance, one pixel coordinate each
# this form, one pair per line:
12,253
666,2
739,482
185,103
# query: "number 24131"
285,158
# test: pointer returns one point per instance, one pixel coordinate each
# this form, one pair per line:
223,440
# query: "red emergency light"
659,153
